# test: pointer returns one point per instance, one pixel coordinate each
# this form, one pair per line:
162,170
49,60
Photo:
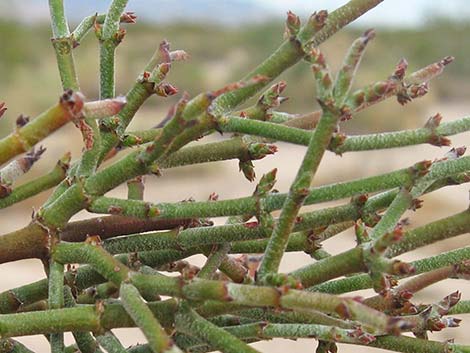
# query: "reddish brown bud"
318,19
292,24
343,311
164,52
213,196
165,90
119,35
3,109
402,268
73,102
128,17
368,35
416,204
429,72
400,69
248,169
434,121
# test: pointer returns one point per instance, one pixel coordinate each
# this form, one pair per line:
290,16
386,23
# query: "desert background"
223,47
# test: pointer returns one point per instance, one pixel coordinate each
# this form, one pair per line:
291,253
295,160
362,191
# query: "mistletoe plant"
230,301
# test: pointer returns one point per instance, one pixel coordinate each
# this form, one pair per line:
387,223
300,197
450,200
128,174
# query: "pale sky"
390,13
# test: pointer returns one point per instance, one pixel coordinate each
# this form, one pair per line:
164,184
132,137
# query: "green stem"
63,45
85,341
38,185
108,42
158,340
110,342
247,205
12,346
22,139
363,281
369,142
190,322
298,192
214,260
56,301
291,52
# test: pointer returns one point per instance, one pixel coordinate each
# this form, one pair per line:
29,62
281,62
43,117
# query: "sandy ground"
180,184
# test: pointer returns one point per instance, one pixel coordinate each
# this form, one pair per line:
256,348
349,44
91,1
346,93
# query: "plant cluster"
230,301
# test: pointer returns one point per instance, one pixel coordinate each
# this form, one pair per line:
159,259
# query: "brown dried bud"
165,90
434,121
400,69
318,19
128,17
73,102
292,24
3,109
248,169
21,120
213,196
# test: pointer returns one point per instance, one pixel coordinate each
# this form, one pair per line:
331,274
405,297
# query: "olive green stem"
38,185
135,306
247,205
85,341
190,322
110,342
22,139
56,301
280,132
298,192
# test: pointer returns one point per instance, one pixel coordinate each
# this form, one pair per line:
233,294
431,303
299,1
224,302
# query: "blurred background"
226,39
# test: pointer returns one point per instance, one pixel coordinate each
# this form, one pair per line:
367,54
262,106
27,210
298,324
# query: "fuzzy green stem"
369,142
22,139
56,301
158,340
190,322
110,342
36,186
63,45
291,52
298,192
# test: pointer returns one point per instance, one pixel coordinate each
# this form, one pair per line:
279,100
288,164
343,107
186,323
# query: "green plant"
227,303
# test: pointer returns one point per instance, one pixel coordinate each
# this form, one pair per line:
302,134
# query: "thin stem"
22,139
110,342
63,45
298,192
159,341
38,185
281,132
85,341
109,40
291,52
272,202
56,301
190,322
363,281
214,260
